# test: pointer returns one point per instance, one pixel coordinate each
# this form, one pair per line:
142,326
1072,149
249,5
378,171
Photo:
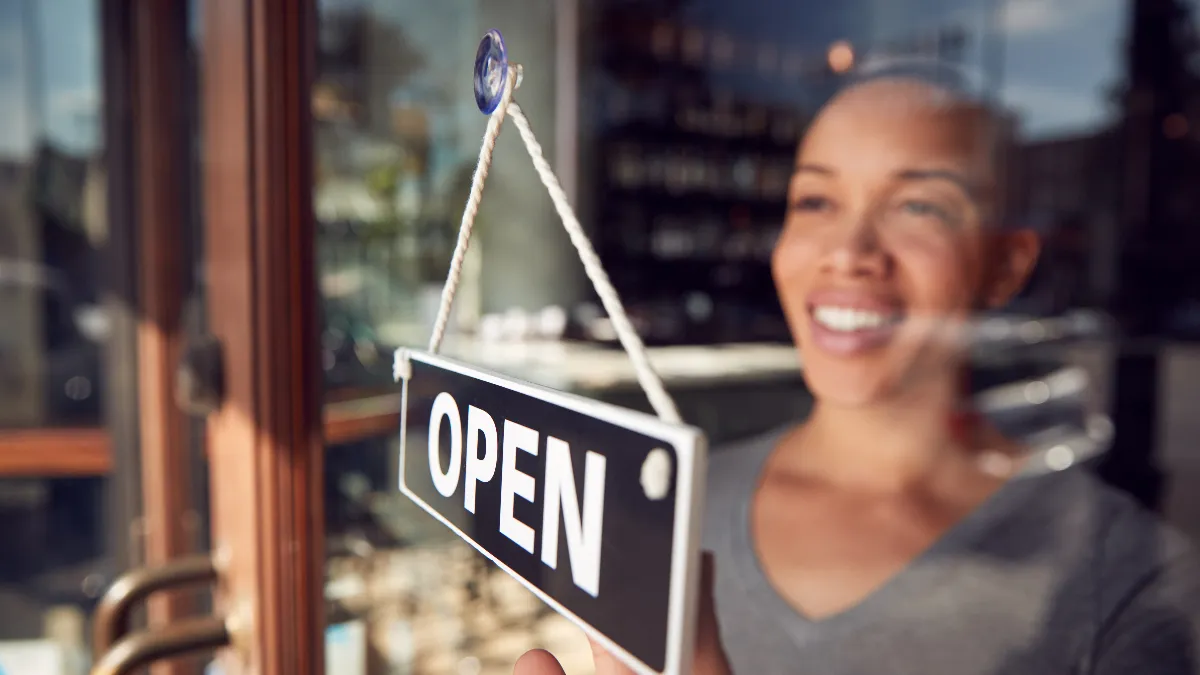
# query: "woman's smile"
848,322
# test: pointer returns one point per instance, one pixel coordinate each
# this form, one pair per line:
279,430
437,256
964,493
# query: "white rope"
647,377
472,209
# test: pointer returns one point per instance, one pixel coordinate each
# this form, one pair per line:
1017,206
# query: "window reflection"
392,145
52,330
51,214
47,592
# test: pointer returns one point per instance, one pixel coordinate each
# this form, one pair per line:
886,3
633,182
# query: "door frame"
264,443
160,100
146,447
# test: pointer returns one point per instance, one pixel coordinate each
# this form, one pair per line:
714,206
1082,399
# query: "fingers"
606,663
538,662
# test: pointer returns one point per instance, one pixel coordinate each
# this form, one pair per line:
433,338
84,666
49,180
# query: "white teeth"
847,319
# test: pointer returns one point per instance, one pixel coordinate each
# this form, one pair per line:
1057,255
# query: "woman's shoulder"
1136,574
1107,548
1119,527
1076,509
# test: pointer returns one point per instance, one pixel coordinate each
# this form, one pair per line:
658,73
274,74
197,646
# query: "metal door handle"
111,619
199,375
145,647
199,383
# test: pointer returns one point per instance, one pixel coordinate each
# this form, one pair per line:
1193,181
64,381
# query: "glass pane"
52,228
49,589
675,126
52,208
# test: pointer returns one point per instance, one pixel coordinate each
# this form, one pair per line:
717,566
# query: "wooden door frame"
264,444
145,448
163,136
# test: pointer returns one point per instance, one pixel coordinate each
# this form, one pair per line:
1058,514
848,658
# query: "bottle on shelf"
692,46
664,40
722,51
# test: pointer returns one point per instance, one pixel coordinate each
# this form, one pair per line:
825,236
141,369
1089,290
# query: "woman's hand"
709,659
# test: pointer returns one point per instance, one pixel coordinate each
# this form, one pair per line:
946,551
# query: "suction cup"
491,72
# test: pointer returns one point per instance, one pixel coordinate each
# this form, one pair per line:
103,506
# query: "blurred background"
672,125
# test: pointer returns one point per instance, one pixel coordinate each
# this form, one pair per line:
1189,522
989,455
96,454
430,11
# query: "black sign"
593,507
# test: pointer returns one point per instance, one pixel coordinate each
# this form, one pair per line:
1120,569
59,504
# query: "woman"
891,532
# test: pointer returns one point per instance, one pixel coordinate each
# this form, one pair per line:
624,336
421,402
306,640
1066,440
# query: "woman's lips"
847,323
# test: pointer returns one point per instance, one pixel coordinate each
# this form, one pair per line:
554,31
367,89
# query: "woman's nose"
856,249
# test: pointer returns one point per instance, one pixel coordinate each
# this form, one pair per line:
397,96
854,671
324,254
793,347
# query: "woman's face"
884,252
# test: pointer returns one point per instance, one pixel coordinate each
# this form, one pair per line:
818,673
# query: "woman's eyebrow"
813,168
955,177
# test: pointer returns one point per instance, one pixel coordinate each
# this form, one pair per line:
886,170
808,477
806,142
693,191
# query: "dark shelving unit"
691,172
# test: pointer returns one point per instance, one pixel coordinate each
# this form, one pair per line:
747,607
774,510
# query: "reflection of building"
52,222
20,330
63,197
1120,203
1118,209
340,61
1066,188
1159,163
1060,175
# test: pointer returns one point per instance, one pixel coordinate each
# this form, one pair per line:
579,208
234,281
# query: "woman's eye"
811,203
924,209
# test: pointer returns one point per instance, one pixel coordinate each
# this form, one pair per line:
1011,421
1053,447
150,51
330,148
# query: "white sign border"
691,459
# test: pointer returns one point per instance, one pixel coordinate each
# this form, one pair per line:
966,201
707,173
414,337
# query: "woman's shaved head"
917,88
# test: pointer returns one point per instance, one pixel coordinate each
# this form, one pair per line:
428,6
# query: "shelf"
658,200
695,151
669,134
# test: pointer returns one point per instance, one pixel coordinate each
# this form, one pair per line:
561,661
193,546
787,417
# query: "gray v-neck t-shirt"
1055,574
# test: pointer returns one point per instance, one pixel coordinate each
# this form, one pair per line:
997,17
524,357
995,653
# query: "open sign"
594,508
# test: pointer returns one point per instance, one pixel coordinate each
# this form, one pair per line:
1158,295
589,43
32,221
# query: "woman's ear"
1014,254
